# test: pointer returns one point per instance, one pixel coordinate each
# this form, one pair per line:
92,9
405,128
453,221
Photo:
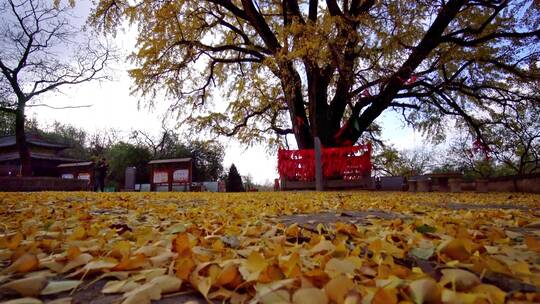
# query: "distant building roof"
15,155
10,141
172,160
81,164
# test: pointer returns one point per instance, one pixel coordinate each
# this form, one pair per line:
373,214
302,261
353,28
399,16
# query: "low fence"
30,184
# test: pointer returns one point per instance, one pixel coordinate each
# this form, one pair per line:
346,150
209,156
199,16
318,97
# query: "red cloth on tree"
347,163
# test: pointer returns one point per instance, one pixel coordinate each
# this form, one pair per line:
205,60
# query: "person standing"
100,174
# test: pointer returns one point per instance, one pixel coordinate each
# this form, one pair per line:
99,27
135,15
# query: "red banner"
347,163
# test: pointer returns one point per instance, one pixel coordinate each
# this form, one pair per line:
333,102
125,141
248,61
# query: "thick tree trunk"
321,117
292,88
319,121
22,146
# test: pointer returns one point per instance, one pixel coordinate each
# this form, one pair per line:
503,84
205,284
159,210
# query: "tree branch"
486,38
430,40
58,108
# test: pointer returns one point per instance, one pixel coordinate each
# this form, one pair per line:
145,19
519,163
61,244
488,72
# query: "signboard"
161,177
85,176
181,175
67,176
130,178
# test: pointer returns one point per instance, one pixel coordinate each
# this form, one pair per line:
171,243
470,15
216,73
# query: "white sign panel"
67,176
161,177
84,176
181,175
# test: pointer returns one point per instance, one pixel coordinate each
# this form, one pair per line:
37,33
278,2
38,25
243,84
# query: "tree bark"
317,104
22,146
292,88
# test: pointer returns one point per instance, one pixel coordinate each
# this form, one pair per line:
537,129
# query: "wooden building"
80,171
171,174
45,155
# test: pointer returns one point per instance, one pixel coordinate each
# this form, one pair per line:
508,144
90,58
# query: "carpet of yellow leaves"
236,248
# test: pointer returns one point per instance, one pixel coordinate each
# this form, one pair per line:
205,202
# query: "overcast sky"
112,106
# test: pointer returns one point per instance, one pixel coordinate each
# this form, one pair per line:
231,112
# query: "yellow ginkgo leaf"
25,263
424,290
23,301
227,275
253,266
130,263
461,279
60,286
533,243
520,268
309,296
121,250
148,274
451,297
143,294
202,284
492,293
279,296
385,296
183,267
93,266
80,260
27,287
273,292
335,267
162,258
323,246
167,283
455,249
73,252
66,300
338,287
119,286
79,233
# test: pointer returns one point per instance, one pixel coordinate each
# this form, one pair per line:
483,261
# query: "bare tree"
515,139
160,145
513,144
462,155
392,162
102,140
40,51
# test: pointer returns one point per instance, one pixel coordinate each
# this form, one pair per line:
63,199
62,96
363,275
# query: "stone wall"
529,184
518,183
468,186
23,184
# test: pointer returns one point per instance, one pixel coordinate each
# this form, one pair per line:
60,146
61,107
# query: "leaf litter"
305,247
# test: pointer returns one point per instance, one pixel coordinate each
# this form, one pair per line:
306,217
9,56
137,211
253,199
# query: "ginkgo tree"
258,68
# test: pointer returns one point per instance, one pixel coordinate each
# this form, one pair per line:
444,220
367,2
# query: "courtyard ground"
305,247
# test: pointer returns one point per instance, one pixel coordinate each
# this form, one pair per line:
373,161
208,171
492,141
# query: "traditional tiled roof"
80,164
172,160
32,139
15,155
